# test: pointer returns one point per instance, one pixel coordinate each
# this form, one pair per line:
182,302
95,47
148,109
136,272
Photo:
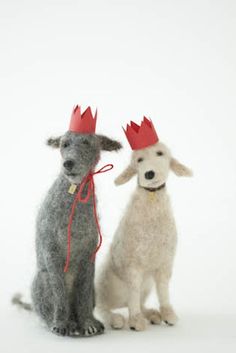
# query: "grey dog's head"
81,152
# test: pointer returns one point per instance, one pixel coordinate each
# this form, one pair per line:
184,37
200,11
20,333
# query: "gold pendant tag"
151,196
72,189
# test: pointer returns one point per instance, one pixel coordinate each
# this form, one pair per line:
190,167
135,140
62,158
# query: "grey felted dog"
65,301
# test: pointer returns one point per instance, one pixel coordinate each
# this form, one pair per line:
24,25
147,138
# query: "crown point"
147,121
134,126
83,123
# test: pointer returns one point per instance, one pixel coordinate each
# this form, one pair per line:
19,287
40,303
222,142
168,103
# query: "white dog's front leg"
162,278
136,320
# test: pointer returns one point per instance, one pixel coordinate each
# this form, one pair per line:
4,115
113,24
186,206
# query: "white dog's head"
152,165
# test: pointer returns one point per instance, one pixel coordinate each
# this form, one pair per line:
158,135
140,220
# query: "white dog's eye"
140,160
159,153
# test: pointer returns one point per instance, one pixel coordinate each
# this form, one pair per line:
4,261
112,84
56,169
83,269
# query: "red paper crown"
141,136
83,123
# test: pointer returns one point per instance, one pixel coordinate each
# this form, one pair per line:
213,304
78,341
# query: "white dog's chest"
147,235
154,244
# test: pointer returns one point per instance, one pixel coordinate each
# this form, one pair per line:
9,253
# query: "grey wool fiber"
65,301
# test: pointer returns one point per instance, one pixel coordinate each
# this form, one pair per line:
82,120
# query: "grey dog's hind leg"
45,305
42,296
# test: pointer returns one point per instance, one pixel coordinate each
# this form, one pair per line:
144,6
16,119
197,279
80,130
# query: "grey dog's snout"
68,164
149,175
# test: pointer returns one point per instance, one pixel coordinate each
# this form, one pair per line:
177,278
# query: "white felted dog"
143,248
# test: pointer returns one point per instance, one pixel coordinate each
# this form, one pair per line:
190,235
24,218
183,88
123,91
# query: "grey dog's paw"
65,328
91,327
73,329
60,328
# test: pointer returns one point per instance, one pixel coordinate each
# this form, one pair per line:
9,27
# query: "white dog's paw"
137,323
168,315
153,316
117,321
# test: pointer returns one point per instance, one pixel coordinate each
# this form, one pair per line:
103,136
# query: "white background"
171,60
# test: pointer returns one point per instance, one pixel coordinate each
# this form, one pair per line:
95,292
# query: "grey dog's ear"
126,175
180,169
108,144
54,142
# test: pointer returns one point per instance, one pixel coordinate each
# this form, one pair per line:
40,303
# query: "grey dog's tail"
16,300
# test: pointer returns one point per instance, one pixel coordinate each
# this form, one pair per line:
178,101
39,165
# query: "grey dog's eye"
85,142
140,160
159,153
65,144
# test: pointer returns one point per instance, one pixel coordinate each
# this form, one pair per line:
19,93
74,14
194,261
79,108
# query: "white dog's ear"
180,169
126,175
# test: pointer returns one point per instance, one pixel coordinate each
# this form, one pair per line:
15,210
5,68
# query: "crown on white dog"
141,136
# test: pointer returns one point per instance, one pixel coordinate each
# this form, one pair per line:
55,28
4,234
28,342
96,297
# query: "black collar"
154,189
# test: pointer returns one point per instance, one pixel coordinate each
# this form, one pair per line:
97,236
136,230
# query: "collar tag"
151,196
72,189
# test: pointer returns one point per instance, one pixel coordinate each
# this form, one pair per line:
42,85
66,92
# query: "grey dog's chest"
83,228
54,217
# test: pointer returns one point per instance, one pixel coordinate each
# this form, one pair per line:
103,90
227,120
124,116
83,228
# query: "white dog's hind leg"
110,295
115,320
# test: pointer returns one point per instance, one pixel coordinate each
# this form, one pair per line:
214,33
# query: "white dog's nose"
149,175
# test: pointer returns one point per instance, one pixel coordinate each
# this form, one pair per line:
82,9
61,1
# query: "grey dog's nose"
150,174
68,165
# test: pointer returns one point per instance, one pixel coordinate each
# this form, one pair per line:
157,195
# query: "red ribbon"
88,180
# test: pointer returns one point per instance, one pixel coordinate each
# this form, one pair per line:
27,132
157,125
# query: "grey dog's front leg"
54,264
87,324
